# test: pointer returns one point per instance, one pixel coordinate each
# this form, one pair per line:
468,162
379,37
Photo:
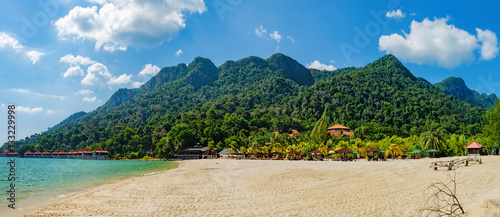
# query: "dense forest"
241,103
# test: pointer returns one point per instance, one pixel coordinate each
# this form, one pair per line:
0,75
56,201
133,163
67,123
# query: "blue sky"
59,57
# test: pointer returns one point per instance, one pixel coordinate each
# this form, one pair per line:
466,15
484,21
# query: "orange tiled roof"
339,127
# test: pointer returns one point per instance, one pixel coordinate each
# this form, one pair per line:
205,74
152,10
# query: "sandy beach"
284,188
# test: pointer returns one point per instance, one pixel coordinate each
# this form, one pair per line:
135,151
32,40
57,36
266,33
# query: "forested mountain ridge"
456,86
242,102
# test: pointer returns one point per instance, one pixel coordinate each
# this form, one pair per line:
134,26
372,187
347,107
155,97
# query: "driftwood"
443,200
453,163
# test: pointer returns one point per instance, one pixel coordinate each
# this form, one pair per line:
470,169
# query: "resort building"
337,130
195,152
7,153
85,154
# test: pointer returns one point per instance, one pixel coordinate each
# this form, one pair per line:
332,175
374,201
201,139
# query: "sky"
58,57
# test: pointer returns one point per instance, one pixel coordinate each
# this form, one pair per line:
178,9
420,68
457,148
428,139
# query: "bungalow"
474,148
338,129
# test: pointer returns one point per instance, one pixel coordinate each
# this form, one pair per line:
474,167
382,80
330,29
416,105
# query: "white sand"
283,188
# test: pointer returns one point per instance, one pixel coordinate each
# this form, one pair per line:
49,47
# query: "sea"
37,179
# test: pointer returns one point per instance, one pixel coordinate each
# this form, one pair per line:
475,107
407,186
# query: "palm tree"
394,150
254,147
233,147
433,140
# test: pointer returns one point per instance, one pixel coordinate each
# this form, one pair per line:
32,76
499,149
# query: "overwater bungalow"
85,153
7,153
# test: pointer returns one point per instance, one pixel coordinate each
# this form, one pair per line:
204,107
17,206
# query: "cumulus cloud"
122,79
178,53
395,14
84,92
260,32
89,99
275,36
50,112
137,84
320,66
78,60
149,69
117,24
7,41
29,110
434,42
291,39
489,44
96,74
34,56
73,71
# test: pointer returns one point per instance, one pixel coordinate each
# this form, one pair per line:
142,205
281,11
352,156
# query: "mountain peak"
391,64
291,69
455,86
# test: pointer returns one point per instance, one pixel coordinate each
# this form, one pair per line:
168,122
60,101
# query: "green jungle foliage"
241,103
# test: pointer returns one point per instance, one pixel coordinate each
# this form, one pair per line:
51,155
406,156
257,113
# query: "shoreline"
256,188
33,204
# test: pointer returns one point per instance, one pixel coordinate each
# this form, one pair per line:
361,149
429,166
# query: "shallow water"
39,178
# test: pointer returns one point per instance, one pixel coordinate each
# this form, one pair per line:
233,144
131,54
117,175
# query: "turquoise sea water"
37,179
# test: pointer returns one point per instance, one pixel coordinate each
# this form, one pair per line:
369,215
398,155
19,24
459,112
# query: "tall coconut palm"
432,139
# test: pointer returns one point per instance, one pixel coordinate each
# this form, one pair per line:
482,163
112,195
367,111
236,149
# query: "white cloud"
122,79
320,66
291,39
58,97
20,90
149,69
84,92
7,41
276,36
178,53
489,44
117,24
96,74
50,112
78,60
413,14
34,55
73,71
260,32
396,14
25,91
433,43
89,99
137,84
29,110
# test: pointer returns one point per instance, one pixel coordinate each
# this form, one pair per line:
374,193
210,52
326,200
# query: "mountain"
486,101
242,102
455,86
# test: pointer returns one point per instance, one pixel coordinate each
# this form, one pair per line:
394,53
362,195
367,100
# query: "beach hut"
474,148
209,154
